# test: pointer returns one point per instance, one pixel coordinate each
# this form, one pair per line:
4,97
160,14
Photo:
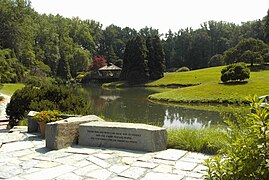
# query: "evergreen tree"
135,66
169,49
159,59
111,56
150,56
155,57
266,28
63,70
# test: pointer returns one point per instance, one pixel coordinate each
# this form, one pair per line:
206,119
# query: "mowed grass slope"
210,88
9,89
189,78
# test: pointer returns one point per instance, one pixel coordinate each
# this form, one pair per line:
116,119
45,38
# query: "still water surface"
132,105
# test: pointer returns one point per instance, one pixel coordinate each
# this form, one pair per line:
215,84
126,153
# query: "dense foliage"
48,97
246,155
235,72
194,48
67,45
248,51
11,70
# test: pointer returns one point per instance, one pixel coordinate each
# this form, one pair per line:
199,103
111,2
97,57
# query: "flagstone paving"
24,156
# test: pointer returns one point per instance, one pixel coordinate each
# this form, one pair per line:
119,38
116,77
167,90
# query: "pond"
132,105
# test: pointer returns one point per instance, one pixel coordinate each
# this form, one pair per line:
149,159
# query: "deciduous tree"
98,62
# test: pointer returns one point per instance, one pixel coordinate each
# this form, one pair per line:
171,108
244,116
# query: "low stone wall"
64,133
123,135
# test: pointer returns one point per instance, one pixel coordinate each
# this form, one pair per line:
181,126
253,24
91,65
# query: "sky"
158,14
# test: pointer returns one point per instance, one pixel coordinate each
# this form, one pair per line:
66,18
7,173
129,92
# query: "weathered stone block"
32,124
123,135
64,133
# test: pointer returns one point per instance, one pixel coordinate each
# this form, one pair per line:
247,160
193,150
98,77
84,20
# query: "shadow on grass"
232,83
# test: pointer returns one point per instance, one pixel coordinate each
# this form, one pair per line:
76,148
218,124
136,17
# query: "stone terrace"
24,156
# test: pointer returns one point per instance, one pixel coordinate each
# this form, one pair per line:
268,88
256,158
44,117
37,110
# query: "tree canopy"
67,45
247,50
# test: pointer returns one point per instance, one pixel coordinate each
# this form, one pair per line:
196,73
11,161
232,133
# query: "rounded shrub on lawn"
235,72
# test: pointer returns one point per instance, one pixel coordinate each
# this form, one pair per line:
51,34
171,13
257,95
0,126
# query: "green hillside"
208,87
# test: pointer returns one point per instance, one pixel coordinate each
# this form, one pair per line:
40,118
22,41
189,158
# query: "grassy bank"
205,140
208,87
9,89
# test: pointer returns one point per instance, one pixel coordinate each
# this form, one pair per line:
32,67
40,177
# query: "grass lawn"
9,89
209,88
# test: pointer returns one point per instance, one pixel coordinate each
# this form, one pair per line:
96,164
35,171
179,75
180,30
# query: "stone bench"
123,135
64,133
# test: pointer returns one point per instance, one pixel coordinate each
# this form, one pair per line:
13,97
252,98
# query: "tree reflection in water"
177,121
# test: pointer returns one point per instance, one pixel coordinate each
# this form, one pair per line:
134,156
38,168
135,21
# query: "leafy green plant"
48,116
246,155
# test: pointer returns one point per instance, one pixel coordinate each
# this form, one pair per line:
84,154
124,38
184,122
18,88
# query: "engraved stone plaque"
123,135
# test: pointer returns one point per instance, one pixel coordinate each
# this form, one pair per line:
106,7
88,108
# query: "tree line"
33,44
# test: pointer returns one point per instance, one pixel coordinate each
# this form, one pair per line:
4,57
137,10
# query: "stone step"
3,119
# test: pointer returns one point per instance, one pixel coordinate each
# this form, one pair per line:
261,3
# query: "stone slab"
154,176
171,154
133,173
50,173
131,136
16,146
101,174
186,166
64,133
